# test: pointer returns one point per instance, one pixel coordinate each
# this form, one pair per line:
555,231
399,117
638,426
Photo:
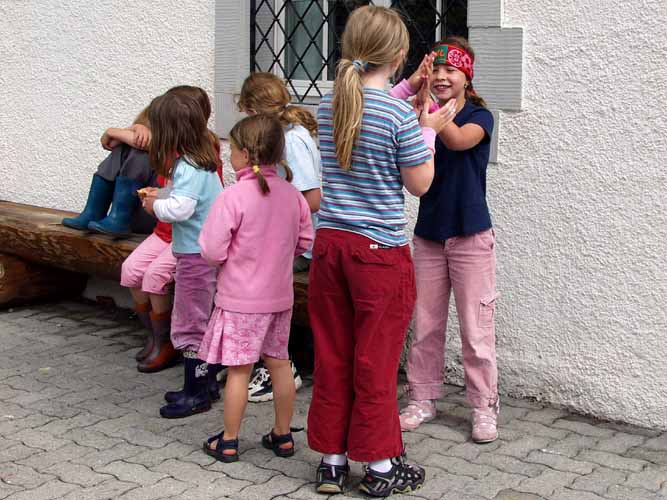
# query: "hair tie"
360,65
255,168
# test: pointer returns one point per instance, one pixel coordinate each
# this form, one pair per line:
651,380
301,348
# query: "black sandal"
272,441
220,447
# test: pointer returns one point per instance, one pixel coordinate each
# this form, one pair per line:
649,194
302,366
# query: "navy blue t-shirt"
455,204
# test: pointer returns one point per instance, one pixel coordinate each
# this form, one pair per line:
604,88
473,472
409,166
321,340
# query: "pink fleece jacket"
254,238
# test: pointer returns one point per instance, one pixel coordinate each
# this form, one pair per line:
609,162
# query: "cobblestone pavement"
77,421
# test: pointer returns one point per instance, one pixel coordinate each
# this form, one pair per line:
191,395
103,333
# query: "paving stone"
244,471
219,490
583,428
571,446
97,458
547,483
537,429
545,416
107,490
155,456
612,460
131,473
47,491
494,483
458,466
6,490
60,426
626,493
559,462
91,439
11,427
658,443
523,446
38,439
506,463
45,459
187,472
569,494
77,474
23,476
164,489
516,495
277,485
443,433
600,480
620,442
651,478
16,452
653,456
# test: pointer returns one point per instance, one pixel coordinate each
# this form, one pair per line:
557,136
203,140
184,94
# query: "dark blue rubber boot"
125,202
97,206
211,383
195,398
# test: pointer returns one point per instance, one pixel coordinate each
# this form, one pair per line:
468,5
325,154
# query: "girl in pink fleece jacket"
253,232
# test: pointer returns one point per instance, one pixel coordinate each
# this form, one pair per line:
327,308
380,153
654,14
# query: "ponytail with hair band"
263,185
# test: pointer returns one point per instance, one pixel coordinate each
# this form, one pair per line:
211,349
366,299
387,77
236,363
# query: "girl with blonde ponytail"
362,290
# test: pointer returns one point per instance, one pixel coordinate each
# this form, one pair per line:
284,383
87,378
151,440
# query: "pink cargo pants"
466,264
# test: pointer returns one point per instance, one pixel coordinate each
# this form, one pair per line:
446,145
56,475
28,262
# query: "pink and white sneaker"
484,424
416,413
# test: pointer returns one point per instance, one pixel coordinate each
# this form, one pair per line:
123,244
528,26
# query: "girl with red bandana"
454,249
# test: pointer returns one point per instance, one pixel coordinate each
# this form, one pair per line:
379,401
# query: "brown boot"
163,354
143,313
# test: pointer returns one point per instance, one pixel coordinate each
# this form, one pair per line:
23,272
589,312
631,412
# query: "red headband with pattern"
454,56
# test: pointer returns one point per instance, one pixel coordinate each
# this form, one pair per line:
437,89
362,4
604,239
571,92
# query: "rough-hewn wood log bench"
41,258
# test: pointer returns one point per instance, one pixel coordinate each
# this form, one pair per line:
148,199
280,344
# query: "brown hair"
263,137
178,125
200,95
142,118
266,93
376,36
462,43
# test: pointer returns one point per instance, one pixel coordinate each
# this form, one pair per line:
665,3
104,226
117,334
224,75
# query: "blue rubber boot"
97,206
196,398
211,383
125,202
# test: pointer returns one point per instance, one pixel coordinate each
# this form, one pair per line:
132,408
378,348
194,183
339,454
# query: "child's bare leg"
139,296
236,399
160,303
284,394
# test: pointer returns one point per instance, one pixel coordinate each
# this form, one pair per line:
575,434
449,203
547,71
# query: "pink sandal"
416,413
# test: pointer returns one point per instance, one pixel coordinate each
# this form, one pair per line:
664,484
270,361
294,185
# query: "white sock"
335,459
381,465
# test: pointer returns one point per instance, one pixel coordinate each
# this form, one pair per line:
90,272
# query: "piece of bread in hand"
143,192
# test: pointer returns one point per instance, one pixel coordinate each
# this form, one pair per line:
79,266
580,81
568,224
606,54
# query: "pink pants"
466,264
151,267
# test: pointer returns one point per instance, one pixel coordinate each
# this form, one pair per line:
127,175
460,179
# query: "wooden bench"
41,258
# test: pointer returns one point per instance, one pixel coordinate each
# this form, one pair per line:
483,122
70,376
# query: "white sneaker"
260,388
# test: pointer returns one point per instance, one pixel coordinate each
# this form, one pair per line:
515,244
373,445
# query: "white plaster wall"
70,69
578,200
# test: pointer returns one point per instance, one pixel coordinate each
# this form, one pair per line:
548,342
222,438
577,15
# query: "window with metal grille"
300,39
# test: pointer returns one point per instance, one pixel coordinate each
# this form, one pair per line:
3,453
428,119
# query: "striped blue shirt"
368,199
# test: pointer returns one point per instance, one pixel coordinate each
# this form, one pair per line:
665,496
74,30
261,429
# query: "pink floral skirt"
235,339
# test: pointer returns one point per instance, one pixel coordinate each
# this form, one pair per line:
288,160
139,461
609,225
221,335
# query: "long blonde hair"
373,37
266,93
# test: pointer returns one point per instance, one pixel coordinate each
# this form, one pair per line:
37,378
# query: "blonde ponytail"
348,108
373,38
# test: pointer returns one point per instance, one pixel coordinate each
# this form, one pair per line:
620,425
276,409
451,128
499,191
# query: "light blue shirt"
203,187
303,158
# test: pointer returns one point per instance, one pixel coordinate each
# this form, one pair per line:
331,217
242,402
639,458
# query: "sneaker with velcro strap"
331,479
260,388
401,478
